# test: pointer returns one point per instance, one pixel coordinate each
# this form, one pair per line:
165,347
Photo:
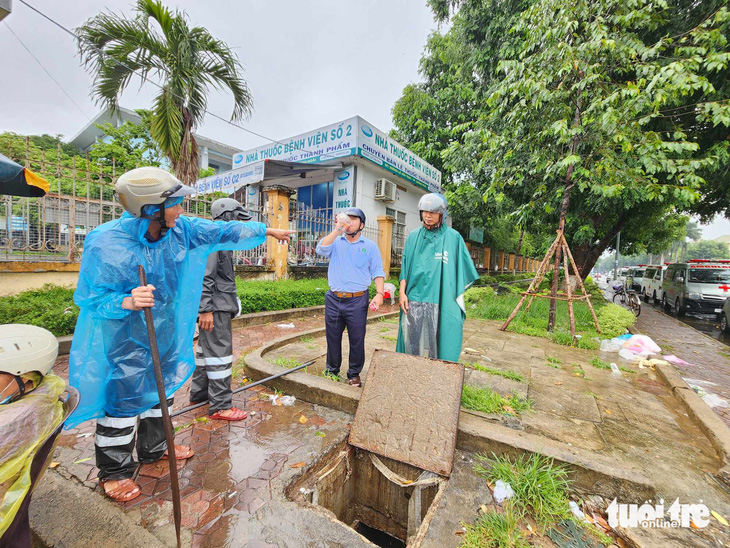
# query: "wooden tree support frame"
562,244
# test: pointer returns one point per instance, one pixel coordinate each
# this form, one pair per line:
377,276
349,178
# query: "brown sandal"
182,452
125,490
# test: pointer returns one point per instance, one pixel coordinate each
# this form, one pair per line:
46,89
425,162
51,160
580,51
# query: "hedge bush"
614,320
50,307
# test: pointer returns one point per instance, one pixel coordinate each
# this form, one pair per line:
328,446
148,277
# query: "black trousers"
115,440
214,365
340,313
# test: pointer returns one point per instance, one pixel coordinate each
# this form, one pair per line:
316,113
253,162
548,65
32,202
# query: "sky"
308,64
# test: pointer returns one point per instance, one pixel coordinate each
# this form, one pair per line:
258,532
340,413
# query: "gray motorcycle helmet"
228,209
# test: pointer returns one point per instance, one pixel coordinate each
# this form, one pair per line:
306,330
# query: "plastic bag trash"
502,491
615,370
273,398
286,325
629,355
611,345
625,337
713,400
577,512
675,360
287,400
641,344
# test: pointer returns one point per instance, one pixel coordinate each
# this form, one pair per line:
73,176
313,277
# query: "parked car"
724,321
635,277
701,286
620,275
652,284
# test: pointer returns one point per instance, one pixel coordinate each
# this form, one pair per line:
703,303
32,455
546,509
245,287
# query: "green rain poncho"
438,270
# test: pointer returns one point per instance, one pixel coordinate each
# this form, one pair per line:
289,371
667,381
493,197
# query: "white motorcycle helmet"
26,348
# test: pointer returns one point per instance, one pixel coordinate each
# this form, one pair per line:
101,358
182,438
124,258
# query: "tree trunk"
187,166
519,249
561,226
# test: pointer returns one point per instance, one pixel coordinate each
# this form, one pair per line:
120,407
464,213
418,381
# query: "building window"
399,235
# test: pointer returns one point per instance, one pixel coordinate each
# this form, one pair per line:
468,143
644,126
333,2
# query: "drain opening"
379,538
364,494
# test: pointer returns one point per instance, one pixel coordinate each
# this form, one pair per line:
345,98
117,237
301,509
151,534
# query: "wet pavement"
631,419
232,489
230,476
710,358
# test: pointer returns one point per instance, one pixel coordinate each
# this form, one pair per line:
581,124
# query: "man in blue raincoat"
436,271
110,361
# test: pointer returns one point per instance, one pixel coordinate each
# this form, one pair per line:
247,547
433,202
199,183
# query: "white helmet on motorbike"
26,348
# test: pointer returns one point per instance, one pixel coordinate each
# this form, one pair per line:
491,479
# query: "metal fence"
311,225
53,228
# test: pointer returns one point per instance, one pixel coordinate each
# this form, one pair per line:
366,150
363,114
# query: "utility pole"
615,261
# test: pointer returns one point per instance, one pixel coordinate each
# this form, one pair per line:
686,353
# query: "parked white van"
652,284
701,286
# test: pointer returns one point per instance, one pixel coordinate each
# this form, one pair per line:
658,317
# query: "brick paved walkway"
229,478
711,358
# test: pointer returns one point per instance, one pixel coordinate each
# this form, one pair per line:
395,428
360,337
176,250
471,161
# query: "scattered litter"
578,337
698,390
713,400
502,491
577,512
558,383
273,398
83,435
676,361
298,465
615,370
287,400
646,364
641,344
233,494
486,358
320,434
627,354
718,517
54,464
303,419
611,345
471,351
625,336
82,460
656,361
286,325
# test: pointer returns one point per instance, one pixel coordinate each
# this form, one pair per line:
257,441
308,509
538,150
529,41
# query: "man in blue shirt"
354,263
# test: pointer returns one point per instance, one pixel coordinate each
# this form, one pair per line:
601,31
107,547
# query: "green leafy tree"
597,116
127,146
707,250
187,60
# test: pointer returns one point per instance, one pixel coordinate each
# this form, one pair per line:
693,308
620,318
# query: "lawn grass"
289,363
540,485
498,372
534,322
488,401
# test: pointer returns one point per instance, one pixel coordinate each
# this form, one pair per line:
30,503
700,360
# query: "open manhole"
385,482
385,509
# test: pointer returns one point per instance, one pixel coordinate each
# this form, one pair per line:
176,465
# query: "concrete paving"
234,488
631,419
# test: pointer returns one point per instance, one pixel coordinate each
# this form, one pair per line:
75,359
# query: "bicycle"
627,298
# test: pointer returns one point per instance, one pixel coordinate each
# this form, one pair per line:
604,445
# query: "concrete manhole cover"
409,410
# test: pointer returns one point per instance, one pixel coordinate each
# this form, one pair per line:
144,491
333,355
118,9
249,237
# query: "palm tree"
185,60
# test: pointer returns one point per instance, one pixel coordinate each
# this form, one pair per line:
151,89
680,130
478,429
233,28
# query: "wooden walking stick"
166,420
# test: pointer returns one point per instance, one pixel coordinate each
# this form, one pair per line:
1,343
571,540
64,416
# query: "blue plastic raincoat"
110,361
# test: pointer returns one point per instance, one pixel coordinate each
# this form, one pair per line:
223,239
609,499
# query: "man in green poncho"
435,273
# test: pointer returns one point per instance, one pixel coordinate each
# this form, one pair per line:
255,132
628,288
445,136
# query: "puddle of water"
246,459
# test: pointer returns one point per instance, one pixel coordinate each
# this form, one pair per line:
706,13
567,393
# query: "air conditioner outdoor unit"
385,190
